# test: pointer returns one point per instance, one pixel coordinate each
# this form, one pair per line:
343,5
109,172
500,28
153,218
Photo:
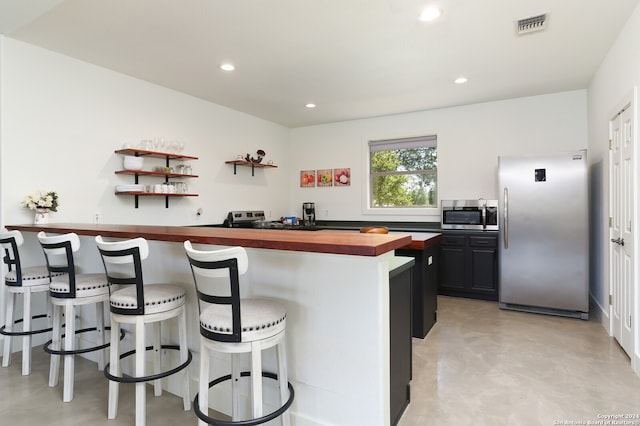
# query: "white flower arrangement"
42,200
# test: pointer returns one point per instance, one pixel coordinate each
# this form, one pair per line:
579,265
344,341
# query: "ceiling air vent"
532,24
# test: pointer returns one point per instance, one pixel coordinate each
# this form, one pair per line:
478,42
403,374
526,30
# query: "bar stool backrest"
58,252
122,262
208,267
10,241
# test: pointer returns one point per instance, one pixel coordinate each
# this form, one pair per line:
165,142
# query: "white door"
621,237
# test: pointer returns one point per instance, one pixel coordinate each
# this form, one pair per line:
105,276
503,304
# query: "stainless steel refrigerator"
544,234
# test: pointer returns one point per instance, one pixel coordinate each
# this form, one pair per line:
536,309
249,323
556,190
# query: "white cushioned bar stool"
233,325
25,281
67,292
138,304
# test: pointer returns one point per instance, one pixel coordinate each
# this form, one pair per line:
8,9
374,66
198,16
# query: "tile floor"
478,366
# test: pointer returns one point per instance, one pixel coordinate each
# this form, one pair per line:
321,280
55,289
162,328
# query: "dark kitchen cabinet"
469,265
400,357
425,285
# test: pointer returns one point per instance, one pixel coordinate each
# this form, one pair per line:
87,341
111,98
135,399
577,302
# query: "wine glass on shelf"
145,144
158,144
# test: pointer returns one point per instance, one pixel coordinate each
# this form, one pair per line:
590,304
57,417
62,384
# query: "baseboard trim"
600,313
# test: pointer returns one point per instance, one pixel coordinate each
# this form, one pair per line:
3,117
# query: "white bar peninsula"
336,289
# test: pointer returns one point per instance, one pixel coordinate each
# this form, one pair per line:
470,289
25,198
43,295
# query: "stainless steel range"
243,218
256,219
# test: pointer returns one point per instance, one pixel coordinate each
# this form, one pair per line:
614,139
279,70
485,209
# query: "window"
403,172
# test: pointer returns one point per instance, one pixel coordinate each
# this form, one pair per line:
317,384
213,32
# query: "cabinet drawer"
482,241
452,240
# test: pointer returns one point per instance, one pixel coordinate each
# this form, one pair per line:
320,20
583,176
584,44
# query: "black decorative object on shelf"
260,154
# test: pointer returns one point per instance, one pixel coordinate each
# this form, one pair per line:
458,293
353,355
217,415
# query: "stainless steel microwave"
480,215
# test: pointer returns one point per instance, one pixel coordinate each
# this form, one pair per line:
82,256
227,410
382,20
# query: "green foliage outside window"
404,177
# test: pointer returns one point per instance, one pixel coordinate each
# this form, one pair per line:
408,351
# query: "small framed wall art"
342,177
307,178
324,177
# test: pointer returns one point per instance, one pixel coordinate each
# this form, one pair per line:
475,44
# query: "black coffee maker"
309,214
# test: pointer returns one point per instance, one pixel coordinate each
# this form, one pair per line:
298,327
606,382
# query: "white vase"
41,217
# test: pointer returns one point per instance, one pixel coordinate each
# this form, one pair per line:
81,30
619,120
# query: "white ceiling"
353,58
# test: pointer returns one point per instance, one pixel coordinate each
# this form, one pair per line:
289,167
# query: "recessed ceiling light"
310,105
227,67
429,14
460,80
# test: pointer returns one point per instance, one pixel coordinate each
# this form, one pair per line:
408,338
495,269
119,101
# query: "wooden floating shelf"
144,152
155,194
151,173
246,163
167,156
137,194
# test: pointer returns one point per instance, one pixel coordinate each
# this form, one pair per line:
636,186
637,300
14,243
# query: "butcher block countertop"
335,242
421,240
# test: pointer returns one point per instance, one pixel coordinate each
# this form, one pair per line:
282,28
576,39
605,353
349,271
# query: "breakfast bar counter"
351,243
335,286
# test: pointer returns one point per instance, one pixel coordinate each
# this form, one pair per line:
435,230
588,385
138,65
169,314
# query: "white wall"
64,118
470,139
614,82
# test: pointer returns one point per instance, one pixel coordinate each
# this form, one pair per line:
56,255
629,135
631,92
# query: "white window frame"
427,214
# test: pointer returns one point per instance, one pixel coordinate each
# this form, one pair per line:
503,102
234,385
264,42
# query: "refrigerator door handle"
505,235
